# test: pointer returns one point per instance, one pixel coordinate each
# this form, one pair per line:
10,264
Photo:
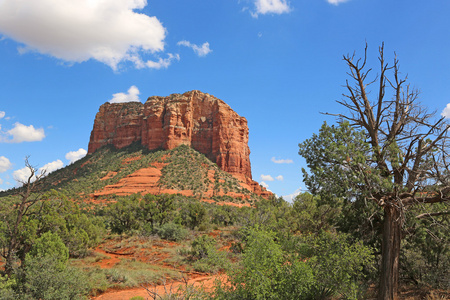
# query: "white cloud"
22,133
73,156
132,96
279,178
446,112
75,31
336,2
159,64
262,183
266,177
22,175
5,164
52,166
291,197
282,161
270,7
2,114
202,50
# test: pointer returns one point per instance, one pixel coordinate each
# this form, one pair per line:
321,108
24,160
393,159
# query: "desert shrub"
157,209
50,244
145,213
269,214
82,232
172,232
425,254
98,280
7,285
313,267
123,215
339,265
207,257
192,214
46,275
52,213
266,272
201,245
42,278
213,262
311,216
223,215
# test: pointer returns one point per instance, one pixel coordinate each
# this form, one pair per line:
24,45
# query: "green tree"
124,214
426,249
388,150
45,273
50,244
267,272
337,264
311,216
43,278
193,213
157,209
51,214
14,216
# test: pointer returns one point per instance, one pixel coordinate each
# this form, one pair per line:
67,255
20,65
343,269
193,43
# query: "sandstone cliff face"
196,119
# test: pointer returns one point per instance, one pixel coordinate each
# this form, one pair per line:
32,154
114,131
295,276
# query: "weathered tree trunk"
390,252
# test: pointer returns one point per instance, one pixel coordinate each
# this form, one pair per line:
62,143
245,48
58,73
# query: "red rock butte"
199,120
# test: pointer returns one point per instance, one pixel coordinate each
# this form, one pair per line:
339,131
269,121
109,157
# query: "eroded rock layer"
199,120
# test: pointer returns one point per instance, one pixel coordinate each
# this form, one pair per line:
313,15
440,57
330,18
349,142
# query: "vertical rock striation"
199,120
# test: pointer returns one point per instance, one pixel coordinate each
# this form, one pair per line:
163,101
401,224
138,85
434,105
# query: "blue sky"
276,62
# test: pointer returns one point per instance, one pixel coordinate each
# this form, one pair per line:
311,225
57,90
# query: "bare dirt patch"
205,282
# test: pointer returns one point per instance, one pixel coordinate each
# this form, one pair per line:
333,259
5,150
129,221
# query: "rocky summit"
199,120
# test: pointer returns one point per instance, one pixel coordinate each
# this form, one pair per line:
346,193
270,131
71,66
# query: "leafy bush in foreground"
320,267
45,274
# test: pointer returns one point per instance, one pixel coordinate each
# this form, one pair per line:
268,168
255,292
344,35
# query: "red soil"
110,174
206,282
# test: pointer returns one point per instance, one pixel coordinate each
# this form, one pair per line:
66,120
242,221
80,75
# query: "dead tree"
28,197
409,152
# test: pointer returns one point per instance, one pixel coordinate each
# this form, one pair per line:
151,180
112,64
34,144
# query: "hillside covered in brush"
134,169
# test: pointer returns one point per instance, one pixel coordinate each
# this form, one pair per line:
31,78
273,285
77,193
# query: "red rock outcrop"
202,121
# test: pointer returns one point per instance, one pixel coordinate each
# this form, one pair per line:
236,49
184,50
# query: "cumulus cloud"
23,174
2,114
271,7
5,164
279,178
75,31
336,2
291,197
73,156
266,177
446,112
262,183
52,166
161,63
131,96
282,161
202,50
22,133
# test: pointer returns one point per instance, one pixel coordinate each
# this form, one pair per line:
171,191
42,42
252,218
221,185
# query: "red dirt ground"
206,282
